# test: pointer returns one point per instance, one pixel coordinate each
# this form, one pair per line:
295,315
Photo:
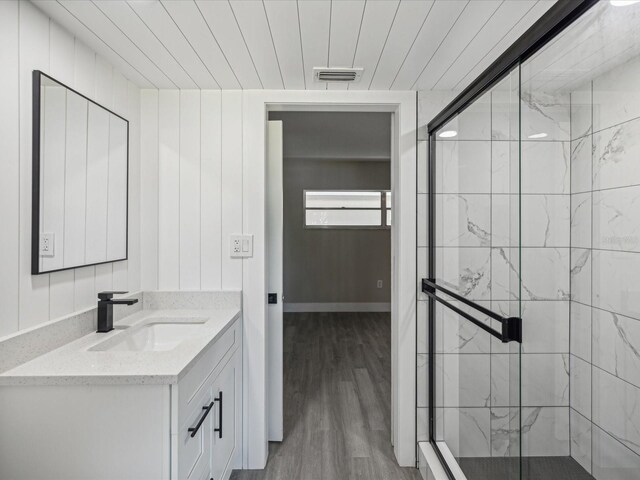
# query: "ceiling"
274,44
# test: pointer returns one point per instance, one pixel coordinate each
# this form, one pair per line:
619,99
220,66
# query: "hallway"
337,394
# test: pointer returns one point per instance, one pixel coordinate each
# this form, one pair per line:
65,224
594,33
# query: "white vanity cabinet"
89,429
206,433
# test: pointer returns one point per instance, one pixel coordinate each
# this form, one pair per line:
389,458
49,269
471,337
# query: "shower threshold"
533,468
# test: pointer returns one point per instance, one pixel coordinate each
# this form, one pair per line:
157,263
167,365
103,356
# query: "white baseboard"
337,307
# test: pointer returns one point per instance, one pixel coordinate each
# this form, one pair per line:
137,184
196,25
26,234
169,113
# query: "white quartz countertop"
76,364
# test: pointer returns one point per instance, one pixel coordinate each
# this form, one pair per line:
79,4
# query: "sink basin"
155,336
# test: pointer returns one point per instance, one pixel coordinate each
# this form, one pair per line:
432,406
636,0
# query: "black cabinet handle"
219,400
195,429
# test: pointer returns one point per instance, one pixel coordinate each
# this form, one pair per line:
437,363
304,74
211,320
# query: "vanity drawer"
201,375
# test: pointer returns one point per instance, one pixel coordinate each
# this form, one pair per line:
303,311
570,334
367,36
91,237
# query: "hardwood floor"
337,401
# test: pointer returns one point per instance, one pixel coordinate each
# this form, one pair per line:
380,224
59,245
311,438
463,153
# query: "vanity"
147,386
158,397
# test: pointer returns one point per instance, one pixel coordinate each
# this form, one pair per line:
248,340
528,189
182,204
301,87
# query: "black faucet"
105,309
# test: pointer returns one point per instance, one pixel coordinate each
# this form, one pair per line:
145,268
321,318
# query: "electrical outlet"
379,284
241,246
235,246
47,244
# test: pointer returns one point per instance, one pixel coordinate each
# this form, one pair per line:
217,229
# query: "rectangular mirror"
80,180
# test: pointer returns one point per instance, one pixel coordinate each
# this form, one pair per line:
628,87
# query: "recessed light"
448,134
538,135
623,3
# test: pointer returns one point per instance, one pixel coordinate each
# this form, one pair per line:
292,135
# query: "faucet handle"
109,295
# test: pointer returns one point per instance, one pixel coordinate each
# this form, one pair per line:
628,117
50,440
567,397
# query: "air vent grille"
322,74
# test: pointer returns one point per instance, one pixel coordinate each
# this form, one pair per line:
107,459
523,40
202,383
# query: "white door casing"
256,104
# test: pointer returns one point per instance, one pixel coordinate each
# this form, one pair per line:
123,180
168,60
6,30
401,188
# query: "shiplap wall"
191,190
30,40
82,180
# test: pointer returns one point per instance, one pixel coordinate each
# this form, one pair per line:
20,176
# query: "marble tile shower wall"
605,274
545,272
477,239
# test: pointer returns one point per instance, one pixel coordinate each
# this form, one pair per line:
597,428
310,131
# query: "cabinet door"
225,424
194,442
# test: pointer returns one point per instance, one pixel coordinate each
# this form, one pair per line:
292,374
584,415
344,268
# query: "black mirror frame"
35,177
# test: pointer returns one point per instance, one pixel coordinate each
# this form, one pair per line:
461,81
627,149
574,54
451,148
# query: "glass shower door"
534,187
474,286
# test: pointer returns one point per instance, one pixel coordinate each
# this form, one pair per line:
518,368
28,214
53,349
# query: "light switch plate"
241,246
47,244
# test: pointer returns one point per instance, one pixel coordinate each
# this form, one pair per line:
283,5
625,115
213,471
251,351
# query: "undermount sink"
154,336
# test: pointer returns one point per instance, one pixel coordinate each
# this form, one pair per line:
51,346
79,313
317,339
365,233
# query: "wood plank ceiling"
274,44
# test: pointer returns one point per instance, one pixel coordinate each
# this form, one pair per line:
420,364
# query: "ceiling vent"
335,74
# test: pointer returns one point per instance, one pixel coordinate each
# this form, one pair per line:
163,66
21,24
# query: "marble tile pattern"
572,203
545,167
543,112
466,220
581,151
580,386
616,153
481,222
605,274
580,439
467,431
463,166
465,270
456,335
616,219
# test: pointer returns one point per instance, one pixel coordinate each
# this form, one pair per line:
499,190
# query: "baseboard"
337,307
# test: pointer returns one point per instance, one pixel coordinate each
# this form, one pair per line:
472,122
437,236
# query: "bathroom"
147,327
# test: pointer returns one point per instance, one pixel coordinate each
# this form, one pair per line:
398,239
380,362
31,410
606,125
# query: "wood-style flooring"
337,401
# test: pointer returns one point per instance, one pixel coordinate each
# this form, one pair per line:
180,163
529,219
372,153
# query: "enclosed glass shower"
533,280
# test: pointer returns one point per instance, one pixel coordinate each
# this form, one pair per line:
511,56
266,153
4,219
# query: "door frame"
404,281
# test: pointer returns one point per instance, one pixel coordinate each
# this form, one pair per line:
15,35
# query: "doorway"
256,108
334,172
336,183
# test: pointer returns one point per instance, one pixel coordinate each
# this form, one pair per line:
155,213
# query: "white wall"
327,267
30,40
203,179
191,188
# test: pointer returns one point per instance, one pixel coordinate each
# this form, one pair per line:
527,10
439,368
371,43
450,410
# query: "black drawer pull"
219,400
195,429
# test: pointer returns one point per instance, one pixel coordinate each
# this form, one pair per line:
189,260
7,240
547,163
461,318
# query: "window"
387,197
347,209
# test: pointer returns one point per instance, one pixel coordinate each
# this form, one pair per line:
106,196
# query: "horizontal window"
343,199
347,209
355,218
